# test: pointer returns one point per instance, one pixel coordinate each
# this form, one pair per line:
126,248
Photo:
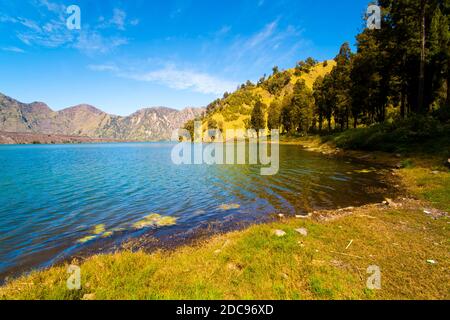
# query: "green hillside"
234,110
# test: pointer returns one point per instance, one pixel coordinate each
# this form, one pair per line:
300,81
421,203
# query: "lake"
59,200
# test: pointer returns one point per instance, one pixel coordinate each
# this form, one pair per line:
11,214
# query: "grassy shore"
407,238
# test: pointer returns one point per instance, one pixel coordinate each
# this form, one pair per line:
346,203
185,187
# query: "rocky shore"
37,138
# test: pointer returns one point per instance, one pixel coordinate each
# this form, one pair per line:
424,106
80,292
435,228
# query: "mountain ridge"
85,120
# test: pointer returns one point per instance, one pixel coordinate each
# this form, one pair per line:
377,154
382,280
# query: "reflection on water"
53,199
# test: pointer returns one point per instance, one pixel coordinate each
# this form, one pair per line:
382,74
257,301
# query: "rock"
279,233
302,231
299,216
435,214
281,216
399,165
89,296
435,172
391,203
398,155
232,267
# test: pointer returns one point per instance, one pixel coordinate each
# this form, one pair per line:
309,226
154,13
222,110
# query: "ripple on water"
52,197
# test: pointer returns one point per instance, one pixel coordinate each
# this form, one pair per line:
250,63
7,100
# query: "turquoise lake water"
51,196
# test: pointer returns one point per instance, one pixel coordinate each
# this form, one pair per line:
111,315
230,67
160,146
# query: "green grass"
416,135
430,184
255,264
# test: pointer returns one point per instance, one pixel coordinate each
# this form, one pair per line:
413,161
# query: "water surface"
51,196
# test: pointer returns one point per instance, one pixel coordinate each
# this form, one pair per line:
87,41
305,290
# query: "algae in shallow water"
86,239
365,171
99,229
107,234
156,220
231,206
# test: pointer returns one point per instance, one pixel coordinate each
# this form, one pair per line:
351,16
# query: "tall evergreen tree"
257,120
274,116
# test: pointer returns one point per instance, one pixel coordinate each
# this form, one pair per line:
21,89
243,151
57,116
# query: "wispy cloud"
174,77
186,79
262,36
118,20
13,49
272,44
94,42
51,6
103,67
54,33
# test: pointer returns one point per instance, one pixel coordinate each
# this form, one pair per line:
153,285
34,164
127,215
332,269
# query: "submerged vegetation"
155,220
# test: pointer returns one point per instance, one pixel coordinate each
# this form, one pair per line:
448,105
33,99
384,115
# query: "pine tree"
302,107
257,120
274,116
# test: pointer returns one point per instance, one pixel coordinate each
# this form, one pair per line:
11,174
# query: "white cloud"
263,35
30,24
94,42
118,20
271,45
175,78
13,49
54,32
51,6
187,80
103,67
223,31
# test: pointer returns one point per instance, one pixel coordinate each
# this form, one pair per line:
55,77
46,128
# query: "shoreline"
406,202
17,138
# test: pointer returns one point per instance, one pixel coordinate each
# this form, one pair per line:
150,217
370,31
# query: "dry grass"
255,264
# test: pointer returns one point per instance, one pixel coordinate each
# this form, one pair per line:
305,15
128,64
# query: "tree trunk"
448,88
402,102
320,123
420,104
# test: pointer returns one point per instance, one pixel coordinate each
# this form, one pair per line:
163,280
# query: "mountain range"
151,124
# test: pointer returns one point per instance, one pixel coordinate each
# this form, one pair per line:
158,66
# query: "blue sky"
141,53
